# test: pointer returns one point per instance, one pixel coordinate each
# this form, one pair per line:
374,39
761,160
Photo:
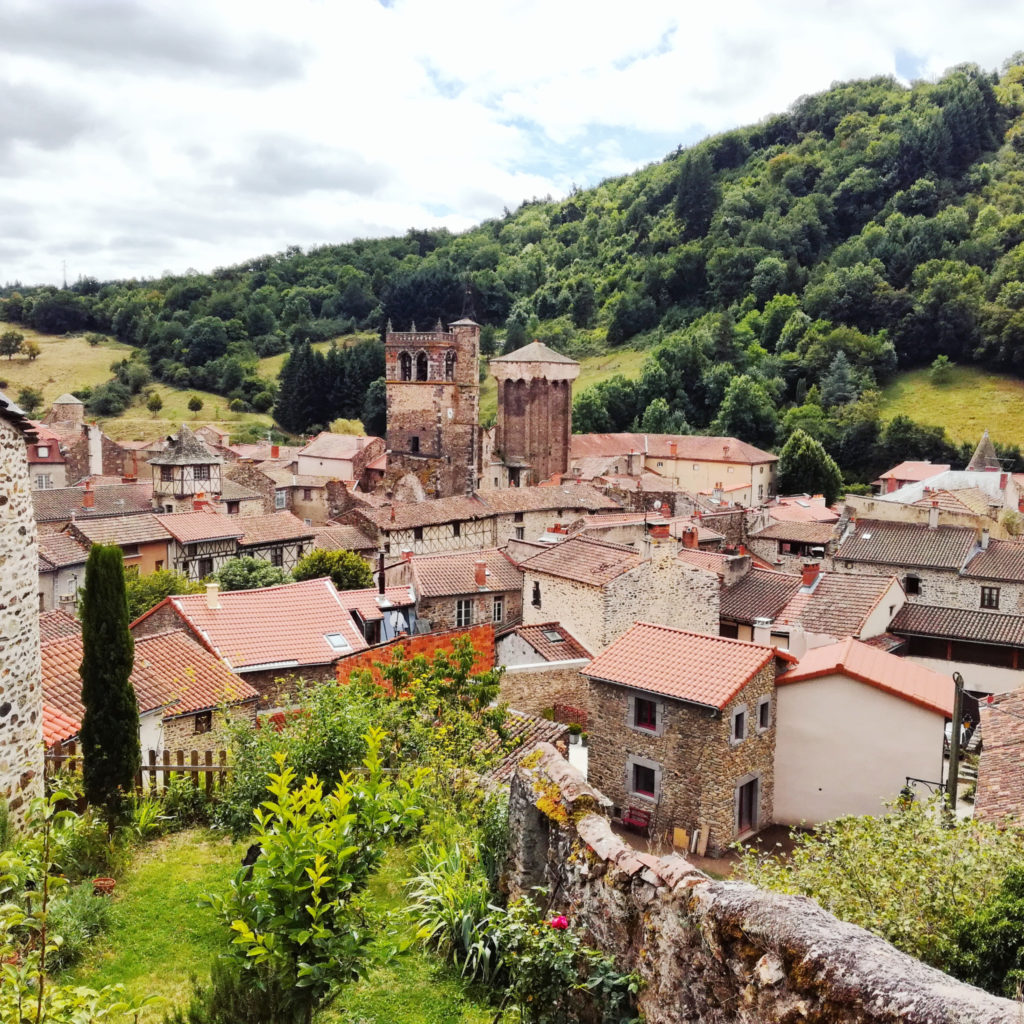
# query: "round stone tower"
534,411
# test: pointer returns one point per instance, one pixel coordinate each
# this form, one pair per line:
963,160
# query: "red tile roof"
1002,560
1001,763
959,624
188,527
523,732
54,504
762,593
541,638
335,446
342,538
801,509
965,500
912,545
275,528
688,446
57,624
594,562
838,605
285,626
122,530
804,532
57,726
913,472
455,573
901,678
693,667
59,550
367,601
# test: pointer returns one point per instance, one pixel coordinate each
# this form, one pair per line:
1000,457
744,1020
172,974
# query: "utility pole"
953,777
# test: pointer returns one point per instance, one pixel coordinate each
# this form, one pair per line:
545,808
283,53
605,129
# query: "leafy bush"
186,804
77,915
346,569
231,998
83,848
248,573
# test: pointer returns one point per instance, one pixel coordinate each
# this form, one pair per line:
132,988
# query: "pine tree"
110,725
805,466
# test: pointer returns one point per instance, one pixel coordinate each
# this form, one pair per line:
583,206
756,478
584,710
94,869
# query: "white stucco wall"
151,732
843,747
987,678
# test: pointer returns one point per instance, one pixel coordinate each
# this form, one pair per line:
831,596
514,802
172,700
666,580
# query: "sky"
139,138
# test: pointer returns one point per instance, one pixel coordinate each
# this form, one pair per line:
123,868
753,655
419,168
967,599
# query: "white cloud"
144,135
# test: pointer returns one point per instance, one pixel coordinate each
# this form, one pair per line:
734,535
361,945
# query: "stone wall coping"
568,781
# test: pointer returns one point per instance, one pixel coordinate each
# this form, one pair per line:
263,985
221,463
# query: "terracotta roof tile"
188,527
273,528
969,500
585,560
1000,792
904,679
59,503
524,732
122,530
762,593
335,446
806,533
914,471
688,446
342,538
543,638
801,508
406,515
284,626
838,605
1002,560
959,624
535,352
232,490
567,497
56,624
263,450
455,573
367,602
694,667
57,726
60,550
907,544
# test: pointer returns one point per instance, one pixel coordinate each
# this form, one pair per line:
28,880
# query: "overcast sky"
143,137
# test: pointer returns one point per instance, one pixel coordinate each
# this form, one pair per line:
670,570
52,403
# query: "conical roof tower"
984,457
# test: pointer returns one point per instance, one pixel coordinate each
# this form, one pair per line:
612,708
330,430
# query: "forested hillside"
779,273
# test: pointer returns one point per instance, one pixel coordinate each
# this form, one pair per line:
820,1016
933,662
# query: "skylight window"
553,635
337,641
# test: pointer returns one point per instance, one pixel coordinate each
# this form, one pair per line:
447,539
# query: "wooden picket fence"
206,769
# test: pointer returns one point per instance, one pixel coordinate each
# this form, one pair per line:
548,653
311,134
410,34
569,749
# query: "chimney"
130,472
984,540
212,596
673,449
480,573
392,513
690,536
717,493
762,631
199,502
659,531
275,451
1003,479
810,573
735,568
406,554
380,570
933,516
89,498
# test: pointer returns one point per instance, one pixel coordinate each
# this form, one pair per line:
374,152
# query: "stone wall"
21,692
535,688
180,733
247,474
714,952
697,767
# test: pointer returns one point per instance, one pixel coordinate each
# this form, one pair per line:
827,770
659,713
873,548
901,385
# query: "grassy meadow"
972,401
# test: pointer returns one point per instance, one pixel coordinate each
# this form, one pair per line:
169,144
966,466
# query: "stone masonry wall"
535,688
21,692
696,766
944,587
441,612
714,952
180,733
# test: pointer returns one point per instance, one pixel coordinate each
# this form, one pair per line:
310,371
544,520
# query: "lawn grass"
974,400
160,936
628,362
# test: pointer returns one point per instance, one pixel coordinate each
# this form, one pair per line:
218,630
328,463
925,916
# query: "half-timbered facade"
185,469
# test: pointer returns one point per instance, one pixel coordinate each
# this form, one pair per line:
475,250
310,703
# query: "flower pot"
103,886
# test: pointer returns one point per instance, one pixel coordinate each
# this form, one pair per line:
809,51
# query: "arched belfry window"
405,366
449,366
421,366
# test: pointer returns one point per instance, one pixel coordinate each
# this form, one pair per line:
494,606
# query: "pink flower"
561,922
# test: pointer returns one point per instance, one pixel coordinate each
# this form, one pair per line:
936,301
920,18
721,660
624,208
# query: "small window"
280,498
760,491
337,641
449,366
695,466
912,584
764,714
158,565
414,444
660,464
518,517
202,472
536,595
233,507
417,533
307,493
166,474
739,726
498,611
520,532
43,451
645,714
731,469
456,529
205,567
204,722
463,613
644,780
552,636
168,509
277,556
990,597
44,481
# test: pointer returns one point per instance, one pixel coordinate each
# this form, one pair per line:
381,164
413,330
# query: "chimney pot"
810,573
984,540
406,555
212,596
1003,480
933,516
690,536
275,451
673,448
480,573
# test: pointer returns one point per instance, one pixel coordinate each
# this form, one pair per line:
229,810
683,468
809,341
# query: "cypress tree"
110,726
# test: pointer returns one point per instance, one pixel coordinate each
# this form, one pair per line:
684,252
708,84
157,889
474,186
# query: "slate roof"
984,456
1000,792
807,533
585,560
284,626
335,446
342,538
761,593
57,550
688,446
568,648
189,527
535,352
272,529
171,672
56,504
186,450
838,605
56,624
914,471
1002,560
13,413
912,545
959,624
454,572
867,664
693,667
122,530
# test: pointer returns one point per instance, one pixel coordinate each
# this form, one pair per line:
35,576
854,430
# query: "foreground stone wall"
715,952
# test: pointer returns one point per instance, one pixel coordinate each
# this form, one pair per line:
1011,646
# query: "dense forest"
778,274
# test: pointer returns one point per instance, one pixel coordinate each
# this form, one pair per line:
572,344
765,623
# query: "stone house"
543,668
338,456
597,590
46,463
682,725
86,450
62,561
333,537
542,642
21,692
55,507
187,696
852,724
787,545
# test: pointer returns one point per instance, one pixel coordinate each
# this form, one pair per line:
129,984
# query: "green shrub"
231,998
186,804
83,847
77,916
